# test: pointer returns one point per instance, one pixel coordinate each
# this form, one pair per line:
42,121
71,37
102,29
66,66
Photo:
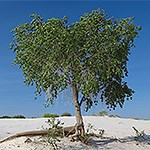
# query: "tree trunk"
80,125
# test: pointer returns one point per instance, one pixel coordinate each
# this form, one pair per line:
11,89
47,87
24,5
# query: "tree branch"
82,100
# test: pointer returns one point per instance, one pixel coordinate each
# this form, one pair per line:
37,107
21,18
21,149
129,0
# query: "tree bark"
80,125
66,131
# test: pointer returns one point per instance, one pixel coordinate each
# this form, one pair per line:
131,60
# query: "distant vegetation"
117,116
134,118
19,116
93,114
66,114
103,113
50,116
33,117
10,117
5,117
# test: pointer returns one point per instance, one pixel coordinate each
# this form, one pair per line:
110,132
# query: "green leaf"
90,54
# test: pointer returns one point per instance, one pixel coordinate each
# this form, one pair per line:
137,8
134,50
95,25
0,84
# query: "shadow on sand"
107,143
137,140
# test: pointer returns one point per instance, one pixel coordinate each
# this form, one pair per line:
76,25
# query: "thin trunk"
80,125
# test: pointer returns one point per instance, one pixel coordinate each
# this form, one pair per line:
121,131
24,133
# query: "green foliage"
101,132
92,131
103,113
66,114
55,132
90,55
89,128
50,116
5,117
114,116
93,114
33,117
19,116
134,118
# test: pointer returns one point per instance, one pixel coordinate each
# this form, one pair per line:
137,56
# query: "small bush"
91,131
5,117
115,116
134,118
93,114
55,132
33,117
66,114
103,113
19,116
50,116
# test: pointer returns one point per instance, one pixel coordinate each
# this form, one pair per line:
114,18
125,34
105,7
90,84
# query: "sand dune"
115,128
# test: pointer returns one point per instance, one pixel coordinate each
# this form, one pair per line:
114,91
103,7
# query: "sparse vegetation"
19,116
50,116
5,117
66,114
55,132
103,113
33,117
93,114
16,116
115,116
91,130
134,118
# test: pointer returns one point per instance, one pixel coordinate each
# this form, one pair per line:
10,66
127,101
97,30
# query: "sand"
115,128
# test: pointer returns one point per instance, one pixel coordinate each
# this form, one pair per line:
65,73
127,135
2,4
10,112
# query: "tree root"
66,132
73,132
29,133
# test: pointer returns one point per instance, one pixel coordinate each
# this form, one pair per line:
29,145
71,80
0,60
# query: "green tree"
90,56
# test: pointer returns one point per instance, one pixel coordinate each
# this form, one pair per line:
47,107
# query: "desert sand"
115,128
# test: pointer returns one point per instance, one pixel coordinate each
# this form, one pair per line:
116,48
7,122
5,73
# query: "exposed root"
73,132
66,132
29,133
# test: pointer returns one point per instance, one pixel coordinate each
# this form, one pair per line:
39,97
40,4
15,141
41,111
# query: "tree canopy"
90,55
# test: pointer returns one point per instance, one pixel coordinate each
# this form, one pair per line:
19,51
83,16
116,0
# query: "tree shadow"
93,144
102,142
141,139
138,140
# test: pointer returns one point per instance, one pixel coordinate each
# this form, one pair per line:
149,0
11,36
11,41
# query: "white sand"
114,128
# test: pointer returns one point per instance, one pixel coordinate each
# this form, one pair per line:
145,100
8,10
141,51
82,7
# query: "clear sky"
15,98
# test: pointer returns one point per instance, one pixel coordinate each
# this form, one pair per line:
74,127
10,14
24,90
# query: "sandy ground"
119,128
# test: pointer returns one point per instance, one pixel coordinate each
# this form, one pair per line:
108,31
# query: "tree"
90,56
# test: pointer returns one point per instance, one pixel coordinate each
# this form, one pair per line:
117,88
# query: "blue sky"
15,98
